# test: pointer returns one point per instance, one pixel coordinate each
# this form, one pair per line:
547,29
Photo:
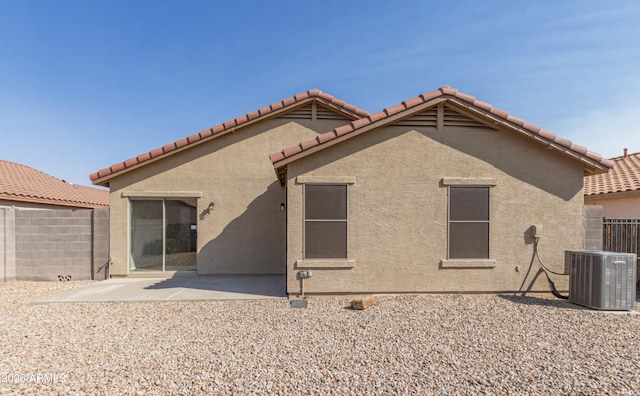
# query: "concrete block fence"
53,244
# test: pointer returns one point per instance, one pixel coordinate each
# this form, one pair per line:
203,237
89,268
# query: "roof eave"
591,166
45,201
210,134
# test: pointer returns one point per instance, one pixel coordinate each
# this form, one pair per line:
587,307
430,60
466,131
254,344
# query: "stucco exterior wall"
245,232
398,211
621,207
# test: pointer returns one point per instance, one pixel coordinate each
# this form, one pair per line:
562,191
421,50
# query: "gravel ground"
426,344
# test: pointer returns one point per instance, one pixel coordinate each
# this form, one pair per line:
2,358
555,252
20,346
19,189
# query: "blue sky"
85,84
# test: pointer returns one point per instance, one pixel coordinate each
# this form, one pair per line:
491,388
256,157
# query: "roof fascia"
373,125
104,181
45,201
612,195
475,112
482,116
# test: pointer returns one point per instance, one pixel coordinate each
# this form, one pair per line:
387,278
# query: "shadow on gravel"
531,300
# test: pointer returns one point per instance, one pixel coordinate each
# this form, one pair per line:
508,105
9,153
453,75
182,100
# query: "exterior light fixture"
282,207
210,207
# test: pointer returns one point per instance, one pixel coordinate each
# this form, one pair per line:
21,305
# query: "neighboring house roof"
102,176
21,183
595,162
623,177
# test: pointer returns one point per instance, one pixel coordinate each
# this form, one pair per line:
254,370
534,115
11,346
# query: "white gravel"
426,344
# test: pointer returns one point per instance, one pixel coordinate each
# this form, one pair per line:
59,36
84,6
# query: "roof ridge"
444,91
620,157
226,126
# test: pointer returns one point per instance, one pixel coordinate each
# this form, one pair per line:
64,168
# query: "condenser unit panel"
602,280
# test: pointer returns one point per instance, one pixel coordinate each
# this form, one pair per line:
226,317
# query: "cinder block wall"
60,242
593,224
7,245
3,259
100,243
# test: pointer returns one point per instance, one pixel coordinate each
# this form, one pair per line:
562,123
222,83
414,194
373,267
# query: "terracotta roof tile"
622,177
309,143
289,151
181,143
389,111
430,95
483,105
24,184
325,137
532,128
340,105
447,90
449,93
412,102
499,113
339,131
515,120
131,162
465,97
376,116
276,157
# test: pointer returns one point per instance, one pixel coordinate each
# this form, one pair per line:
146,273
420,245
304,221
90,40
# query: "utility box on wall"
601,280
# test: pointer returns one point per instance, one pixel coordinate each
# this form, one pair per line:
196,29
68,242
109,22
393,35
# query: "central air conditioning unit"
601,280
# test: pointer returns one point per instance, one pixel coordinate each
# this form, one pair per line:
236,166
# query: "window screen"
325,222
468,222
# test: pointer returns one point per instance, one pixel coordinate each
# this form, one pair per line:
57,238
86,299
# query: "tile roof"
24,184
101,177
624,176
290,154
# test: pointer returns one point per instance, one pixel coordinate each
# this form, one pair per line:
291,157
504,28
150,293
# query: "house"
24,187
50,229
618,191
440,193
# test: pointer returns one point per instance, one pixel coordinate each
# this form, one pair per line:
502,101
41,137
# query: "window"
325,221
468,222
163,234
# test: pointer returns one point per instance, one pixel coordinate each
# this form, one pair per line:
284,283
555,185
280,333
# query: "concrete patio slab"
175,289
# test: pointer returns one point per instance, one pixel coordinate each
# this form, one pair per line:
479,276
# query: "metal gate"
622,235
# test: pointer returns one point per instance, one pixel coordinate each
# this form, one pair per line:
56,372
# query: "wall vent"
601,280
301,113
447,117
454,119
427,118
324,113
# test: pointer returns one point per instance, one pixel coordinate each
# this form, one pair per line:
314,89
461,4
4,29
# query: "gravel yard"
426,344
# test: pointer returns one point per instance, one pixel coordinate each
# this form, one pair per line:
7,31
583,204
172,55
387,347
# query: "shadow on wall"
514,155
253,243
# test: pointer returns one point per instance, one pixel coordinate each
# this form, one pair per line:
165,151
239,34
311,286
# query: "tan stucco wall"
398,210
245,232
619,207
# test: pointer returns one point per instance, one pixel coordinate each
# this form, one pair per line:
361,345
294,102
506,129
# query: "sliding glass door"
163,235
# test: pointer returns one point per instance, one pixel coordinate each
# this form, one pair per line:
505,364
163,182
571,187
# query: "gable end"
442,116
314,111
453,118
